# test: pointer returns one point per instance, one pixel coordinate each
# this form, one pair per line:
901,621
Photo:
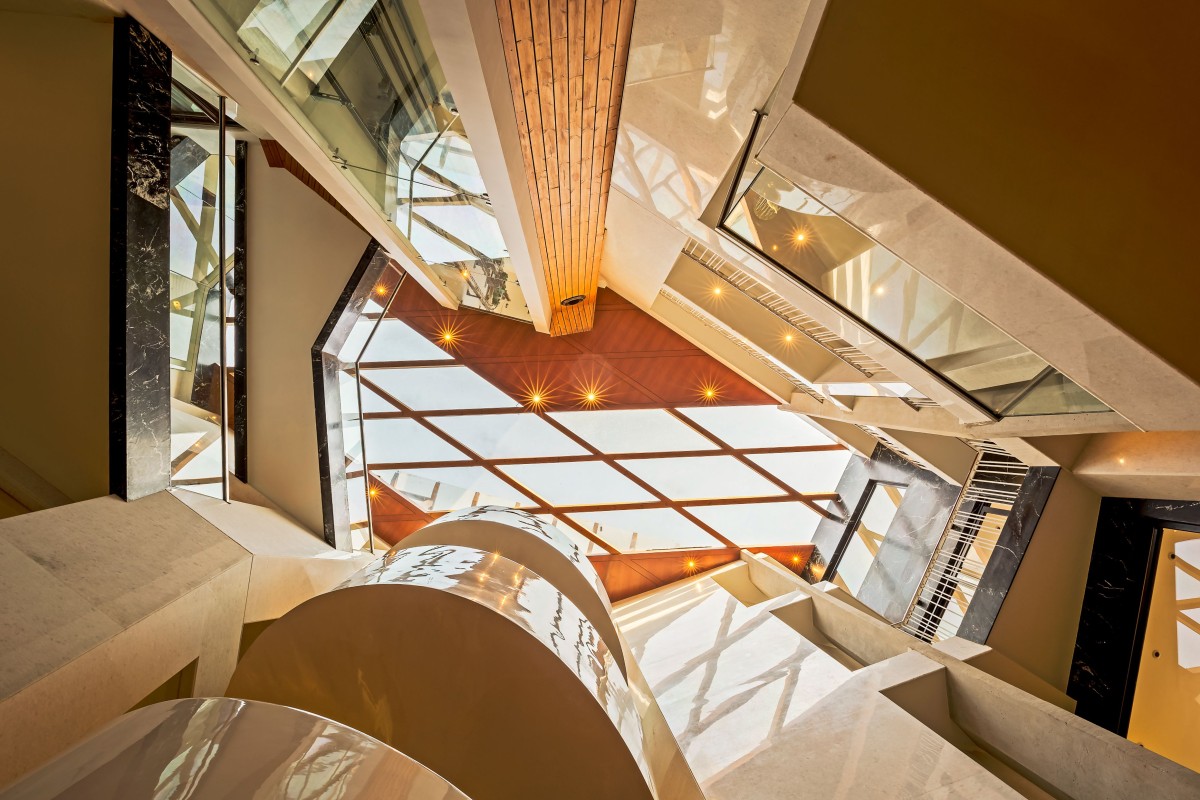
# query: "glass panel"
395,341
761,524
363,77
701,477
756,426
508,436
197,259
452,488
863,544
633,431
439,388
641,529
577,483
812,473
405,440
794,230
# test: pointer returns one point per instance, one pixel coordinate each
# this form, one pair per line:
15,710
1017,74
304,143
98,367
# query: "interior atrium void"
599,399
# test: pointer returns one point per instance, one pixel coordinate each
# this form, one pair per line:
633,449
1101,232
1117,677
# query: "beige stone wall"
54,225
300,254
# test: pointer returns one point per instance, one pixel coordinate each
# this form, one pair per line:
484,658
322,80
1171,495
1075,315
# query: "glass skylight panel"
509,436
808,473
396,341
451,158
756,426
439,388
640,529
406,440
433,248
577,483
373,403
649,430
452,488
761,524
701,477
469,224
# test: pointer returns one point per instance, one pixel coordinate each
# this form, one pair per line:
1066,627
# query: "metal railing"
780,307
966,546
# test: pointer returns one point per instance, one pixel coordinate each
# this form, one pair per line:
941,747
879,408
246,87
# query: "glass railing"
363,78
201,320
796,232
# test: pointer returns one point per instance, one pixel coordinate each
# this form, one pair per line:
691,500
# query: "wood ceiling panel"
566,64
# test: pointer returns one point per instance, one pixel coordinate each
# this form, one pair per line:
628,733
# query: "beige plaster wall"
54,225
300,254
1038,622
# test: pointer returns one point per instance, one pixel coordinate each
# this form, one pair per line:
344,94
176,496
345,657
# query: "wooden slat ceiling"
566,66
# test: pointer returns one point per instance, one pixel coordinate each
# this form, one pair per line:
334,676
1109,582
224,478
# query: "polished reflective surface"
792,229
470,663
212,749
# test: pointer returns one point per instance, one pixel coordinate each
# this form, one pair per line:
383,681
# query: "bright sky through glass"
578,468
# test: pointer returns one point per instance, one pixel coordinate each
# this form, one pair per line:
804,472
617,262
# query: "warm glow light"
880,291
709,392
799,237
374,492
690,566
716,291
591,394
789,337
795,559
381,290
537,395
449,335
466,273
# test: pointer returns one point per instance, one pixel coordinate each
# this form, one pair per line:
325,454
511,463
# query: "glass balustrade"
202,442
362,77
793,230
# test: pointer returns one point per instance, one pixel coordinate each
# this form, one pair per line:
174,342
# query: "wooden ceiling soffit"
566,66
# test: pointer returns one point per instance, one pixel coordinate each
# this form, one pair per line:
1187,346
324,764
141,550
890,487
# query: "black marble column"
1116,602
1018,531
912,537
374,269
241,461
139,298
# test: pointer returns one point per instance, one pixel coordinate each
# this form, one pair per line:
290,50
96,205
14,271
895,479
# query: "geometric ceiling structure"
566,68
627,437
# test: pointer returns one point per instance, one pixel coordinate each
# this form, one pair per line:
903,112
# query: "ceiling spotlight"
466,273
381,290
573,300
716,291
795,559
789,338
799,237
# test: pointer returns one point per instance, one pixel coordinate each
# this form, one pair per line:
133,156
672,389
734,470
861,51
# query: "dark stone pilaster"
331,449
1006,558
1116,602
241,461
139,263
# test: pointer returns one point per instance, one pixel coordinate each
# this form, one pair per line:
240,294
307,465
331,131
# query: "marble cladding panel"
241,466
139,379
1115,602
1010,550
1104,666
911,539
349,308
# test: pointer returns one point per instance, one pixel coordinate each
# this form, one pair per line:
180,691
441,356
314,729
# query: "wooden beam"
566,64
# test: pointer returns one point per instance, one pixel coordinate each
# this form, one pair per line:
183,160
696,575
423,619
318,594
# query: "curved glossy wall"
217,748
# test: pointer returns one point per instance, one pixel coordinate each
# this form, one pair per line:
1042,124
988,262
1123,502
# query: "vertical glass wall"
791,229
363,78
203,310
